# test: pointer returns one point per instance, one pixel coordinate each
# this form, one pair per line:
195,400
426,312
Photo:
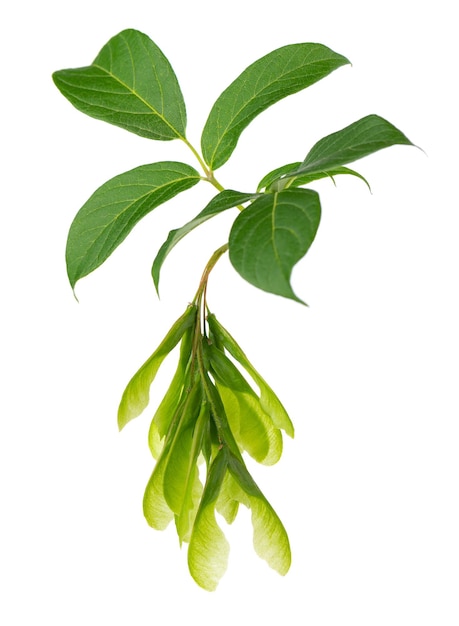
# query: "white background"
368,489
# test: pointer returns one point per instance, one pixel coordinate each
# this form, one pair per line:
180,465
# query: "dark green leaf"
130,84
280,73
305,179
110,214
137,393
226,199
276,174
368,135
282,177
269,237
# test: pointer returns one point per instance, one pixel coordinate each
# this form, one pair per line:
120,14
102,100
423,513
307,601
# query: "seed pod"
156,508
137,393
251,426
167,407
269,400
208,550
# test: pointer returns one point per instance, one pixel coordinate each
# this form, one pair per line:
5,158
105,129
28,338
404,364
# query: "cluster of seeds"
209,416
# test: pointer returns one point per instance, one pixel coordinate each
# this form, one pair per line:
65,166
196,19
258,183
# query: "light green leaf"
250,425
222,429
182,487
192,493
130,84
269,237
210,442
226,199
157,510
368,135
155,441
252,428
208,550
269,400
166,409
280,73
270,539
229,499
178,472
113,210
137,393
193,487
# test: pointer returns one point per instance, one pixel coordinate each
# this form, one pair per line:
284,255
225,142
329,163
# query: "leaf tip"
73,279
156,283
156,268
419,148
155,274
74,294
72,275
295,298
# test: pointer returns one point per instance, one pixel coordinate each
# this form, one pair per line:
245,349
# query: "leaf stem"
197,155
209,175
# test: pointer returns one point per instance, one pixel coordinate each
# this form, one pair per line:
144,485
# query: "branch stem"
205,275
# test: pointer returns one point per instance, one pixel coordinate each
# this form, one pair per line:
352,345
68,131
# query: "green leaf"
269,400
208,550
226,199
130,84
110,214
270,539
282,177
305,179
280,73
137,393
368,135
276,174
272,235
252,428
